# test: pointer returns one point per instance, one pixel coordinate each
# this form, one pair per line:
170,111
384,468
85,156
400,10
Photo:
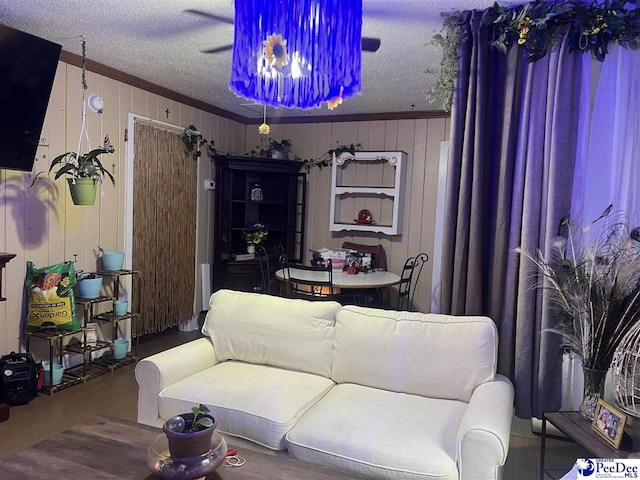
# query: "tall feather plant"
594,289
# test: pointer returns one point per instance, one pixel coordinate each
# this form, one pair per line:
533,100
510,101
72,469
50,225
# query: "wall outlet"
209,184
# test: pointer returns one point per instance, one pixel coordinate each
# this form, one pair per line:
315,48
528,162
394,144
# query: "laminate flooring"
116,394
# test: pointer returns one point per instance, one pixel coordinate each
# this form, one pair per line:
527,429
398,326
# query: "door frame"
132,118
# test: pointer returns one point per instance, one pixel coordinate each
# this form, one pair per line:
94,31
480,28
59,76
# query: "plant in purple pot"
190,434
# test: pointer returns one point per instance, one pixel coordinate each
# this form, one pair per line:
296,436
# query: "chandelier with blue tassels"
297,53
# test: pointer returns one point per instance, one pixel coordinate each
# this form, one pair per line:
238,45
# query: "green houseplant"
193,141
83,172
189,434
281,149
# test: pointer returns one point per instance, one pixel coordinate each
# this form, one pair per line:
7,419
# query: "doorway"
161,230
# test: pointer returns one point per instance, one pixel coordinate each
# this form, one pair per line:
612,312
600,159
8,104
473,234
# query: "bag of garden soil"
50,302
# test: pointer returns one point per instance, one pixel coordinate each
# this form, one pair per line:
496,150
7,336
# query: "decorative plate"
364,217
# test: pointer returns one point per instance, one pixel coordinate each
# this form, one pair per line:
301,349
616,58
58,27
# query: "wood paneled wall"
42,225
420,139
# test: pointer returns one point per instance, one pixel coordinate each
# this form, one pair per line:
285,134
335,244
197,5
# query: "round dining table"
378,279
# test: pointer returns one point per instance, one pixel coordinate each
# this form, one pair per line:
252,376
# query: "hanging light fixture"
297,53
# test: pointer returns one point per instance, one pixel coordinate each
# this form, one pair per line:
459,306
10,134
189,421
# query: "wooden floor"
116,395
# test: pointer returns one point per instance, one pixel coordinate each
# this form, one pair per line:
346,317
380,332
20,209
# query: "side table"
578,429
4,259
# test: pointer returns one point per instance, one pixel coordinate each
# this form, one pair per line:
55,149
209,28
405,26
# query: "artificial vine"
324,160
192,139
448,40
539,27
285,147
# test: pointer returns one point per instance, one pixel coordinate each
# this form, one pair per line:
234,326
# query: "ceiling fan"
368,44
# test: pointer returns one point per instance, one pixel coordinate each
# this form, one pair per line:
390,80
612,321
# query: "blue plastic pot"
58,370
121,307
89,287
120,348
113,260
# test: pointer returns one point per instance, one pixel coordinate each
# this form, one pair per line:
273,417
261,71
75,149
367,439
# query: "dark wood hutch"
281,209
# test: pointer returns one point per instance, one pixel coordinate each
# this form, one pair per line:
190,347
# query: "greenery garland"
193,139
448,40
538,27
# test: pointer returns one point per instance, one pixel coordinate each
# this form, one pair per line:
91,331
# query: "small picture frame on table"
608,422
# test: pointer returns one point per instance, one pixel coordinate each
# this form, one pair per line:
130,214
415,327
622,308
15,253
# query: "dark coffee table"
110,448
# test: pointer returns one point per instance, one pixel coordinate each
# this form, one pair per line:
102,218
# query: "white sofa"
382,393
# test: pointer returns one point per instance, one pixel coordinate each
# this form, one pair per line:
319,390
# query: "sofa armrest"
483,435
157,372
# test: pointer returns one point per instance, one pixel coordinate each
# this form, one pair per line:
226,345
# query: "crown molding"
142,84
352,117
119,75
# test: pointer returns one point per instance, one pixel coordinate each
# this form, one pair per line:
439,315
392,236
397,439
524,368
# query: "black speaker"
18,378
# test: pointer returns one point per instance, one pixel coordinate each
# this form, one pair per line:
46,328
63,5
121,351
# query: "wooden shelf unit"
342,217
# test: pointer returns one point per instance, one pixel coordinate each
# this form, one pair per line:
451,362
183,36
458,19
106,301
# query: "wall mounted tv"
27,69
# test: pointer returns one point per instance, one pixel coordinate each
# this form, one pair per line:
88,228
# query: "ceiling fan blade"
211,16
370,44
224,48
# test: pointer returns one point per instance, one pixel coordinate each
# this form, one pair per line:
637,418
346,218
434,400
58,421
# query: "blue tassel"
325,34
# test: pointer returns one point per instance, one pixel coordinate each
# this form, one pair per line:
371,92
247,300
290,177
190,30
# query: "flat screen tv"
27,69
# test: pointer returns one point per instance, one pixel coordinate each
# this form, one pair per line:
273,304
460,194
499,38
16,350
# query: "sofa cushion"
256,402
380,433
438,356
255,328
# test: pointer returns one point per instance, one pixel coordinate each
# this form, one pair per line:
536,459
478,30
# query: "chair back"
279,249
377,250
307,282
265,270
409,280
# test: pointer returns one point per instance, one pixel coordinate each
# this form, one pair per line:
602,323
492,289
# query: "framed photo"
608,422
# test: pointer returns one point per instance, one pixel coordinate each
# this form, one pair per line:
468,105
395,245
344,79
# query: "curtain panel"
164,228
509,183
608,161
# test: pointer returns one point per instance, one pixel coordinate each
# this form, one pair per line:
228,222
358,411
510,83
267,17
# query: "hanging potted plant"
84,171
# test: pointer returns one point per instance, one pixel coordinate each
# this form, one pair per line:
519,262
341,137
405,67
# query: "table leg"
542,445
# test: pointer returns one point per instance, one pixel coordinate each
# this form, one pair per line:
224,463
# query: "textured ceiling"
159,42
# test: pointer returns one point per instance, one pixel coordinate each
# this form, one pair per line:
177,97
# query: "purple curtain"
513,142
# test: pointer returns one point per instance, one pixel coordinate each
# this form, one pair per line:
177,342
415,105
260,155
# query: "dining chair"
307,282
376,296
265,270
377,250
409,280
279,249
